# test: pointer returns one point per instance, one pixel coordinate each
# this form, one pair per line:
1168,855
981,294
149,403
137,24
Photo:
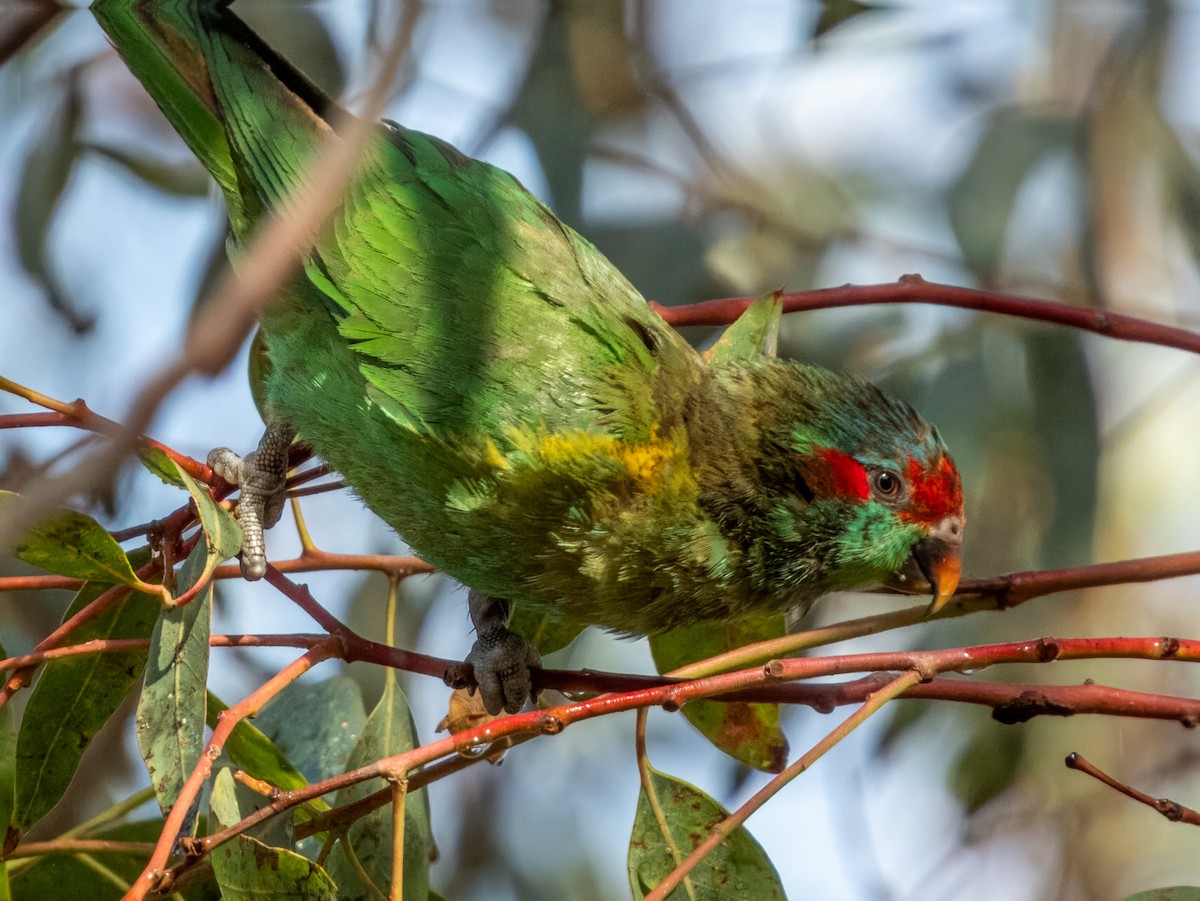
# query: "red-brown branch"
1172,810
914,289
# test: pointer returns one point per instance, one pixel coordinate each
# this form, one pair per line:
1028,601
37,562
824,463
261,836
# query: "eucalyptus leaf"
252,751
736,868
749,733
75,545
389,731
72,876
74,697
1171,893
171,709
316,725
248,869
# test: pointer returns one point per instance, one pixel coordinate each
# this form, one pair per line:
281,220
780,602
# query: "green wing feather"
442,305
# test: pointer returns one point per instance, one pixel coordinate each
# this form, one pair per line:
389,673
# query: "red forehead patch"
936,492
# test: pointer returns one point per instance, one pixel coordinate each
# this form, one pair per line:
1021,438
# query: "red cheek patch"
848,475
935,493
830,473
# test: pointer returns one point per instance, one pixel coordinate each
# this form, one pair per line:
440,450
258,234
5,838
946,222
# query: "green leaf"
42,183
319,740
548,632
838,12
389,731
184,179
72,544
1172,893
220,528
250,870
171,710
981,202
748,733
736,868
754,333
253,752
988,764
74,697
230,801
160,463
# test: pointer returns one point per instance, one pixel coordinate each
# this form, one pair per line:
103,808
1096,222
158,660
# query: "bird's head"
879,496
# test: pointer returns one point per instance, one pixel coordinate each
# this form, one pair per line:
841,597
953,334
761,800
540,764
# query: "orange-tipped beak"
940,560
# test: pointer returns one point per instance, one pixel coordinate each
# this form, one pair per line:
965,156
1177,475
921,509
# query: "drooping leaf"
42,182
182,179
737,868
1067,426
253,752
389,731
988,764
548,633
75,545
980,204
317,725
248,869
749,733
74,697
171,709
838,12
220,528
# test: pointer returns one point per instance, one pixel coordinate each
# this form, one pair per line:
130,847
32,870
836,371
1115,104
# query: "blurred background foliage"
720,148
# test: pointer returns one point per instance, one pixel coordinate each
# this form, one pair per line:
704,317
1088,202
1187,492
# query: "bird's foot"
500,657
262,478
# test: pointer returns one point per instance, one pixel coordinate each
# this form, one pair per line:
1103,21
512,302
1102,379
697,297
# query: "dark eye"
887,483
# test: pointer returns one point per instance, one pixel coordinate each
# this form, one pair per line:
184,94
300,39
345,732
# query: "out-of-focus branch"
227,317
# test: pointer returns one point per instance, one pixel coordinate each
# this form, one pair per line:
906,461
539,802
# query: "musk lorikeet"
496,391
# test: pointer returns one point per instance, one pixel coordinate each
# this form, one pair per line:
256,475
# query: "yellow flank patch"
645,463
493,457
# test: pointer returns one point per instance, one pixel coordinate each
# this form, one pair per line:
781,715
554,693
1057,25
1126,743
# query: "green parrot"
497,392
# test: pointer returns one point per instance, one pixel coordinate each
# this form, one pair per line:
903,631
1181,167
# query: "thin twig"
1172,810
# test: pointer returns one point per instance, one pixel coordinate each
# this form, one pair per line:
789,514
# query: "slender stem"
656,808
114,813
399,795
79,846
723,829
1172,810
